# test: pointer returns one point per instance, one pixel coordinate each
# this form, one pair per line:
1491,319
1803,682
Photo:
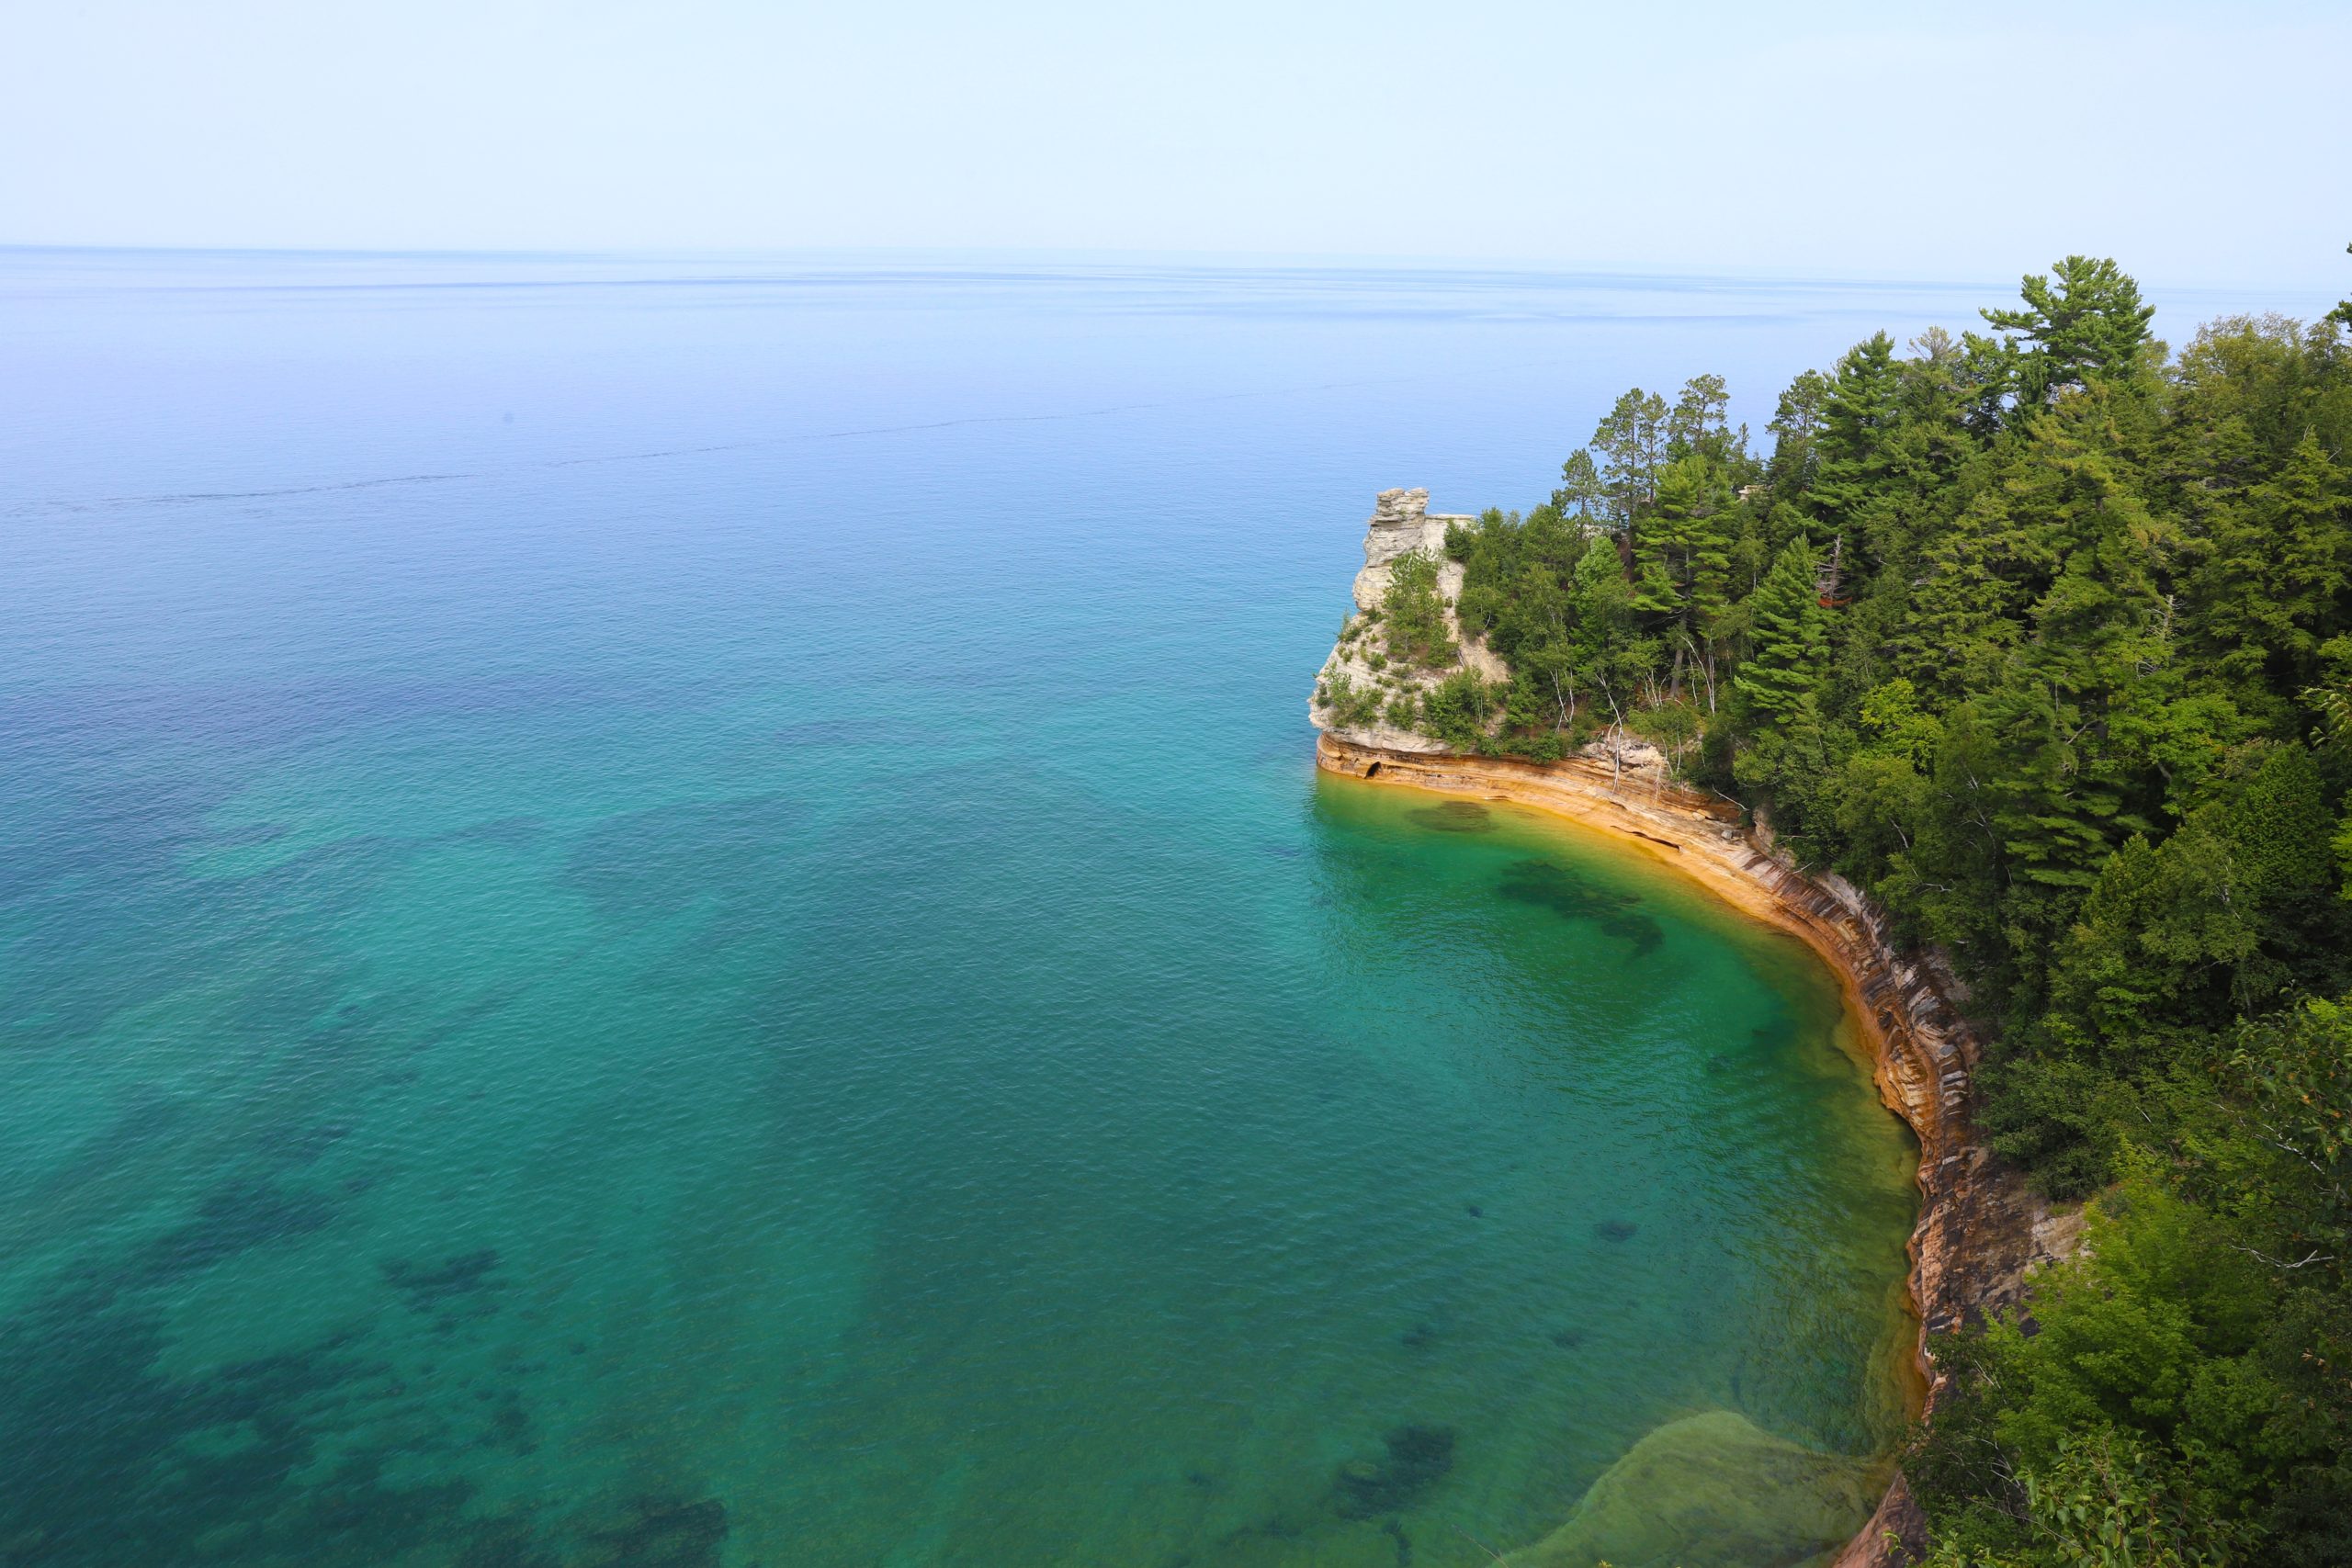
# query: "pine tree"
2091,326
1599,621
1699,423
1631,444
2095,635
2274,585
1856,417
1795,423
1682,562
1968,610
1581,494
1790,631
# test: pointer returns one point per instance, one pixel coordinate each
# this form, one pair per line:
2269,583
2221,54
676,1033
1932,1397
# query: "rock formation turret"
1361,662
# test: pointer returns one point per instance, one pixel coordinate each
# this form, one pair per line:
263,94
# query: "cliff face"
1401,522
1979,1232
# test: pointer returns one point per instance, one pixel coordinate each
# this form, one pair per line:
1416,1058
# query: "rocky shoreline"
1979,1231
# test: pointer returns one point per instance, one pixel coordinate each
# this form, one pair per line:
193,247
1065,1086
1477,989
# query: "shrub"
1416,612
1351,706
1456,709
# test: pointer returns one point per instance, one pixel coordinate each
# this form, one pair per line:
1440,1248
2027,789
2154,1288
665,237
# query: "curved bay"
801,1002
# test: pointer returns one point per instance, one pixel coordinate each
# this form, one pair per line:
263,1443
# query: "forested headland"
2041,634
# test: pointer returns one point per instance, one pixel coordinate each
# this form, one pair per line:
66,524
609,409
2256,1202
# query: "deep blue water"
675,911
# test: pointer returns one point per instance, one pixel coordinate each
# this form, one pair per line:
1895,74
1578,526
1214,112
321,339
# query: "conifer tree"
2275,584
1682,560
1856,415
2079,719
1968,609
1795,423
1630,443
1788,631
2072,791
1599,621
2090,326
1581,494
1700,423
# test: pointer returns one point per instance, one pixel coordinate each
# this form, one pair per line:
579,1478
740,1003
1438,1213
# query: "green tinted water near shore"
806,1005
679,1172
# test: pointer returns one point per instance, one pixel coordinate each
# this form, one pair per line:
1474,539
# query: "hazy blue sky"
2195,142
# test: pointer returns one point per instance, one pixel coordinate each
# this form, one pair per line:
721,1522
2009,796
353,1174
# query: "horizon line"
1202,261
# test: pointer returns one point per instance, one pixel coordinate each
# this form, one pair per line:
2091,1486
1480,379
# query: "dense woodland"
2043,635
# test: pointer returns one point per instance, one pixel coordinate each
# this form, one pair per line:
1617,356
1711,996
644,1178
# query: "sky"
2205,144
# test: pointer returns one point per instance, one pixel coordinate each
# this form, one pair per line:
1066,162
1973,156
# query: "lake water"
675,912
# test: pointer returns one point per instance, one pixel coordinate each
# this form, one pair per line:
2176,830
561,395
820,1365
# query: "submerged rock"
1712,1490
1455,817
1417,1457
667,1533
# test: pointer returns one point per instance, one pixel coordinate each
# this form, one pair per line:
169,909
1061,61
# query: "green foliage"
2169,1346
1682,546
1631,442
1791,639
2145,1331
2218,920
2046,639
1353,706
1414,612
2269,591
1699,425
2089,327
1673,727
1456,711
1581,494
1856,414
1780,688
1892,716
1796,423
2102,1501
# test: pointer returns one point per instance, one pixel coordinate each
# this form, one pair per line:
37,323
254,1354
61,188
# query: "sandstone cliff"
1401,524
1979,1233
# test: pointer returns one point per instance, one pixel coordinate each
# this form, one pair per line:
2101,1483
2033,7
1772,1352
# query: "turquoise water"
678,913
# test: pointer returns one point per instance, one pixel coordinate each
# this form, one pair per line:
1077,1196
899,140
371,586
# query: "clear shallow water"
747,965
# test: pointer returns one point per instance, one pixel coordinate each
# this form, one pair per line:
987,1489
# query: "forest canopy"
2041,634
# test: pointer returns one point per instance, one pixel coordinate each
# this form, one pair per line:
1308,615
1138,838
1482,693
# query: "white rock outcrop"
1401,522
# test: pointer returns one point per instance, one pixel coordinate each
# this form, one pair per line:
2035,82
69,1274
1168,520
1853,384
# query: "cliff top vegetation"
2042,635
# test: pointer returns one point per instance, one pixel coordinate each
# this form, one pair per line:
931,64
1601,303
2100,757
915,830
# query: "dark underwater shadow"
1548,886
1454,816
